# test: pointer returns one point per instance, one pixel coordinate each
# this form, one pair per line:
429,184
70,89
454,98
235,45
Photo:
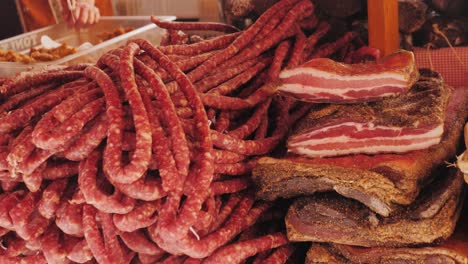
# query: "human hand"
83,13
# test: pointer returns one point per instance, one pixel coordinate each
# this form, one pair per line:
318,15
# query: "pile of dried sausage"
145,157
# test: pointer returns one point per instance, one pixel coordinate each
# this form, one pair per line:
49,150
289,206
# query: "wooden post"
383,25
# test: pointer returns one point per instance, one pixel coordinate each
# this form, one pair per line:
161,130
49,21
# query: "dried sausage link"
207,217
51,134
322,29
148,259
23,97
87,181
185,65
256,83
21,116
143,215
34,161
240,168
252,123
21,147
172,175
100,246
223,121
69,218
297,53
28,224
329,48
280,54
230,186
243,217
50,199
299,112
146,189
56,171
80,252
216,43
74,103
29,259
280,255
224,156
245,147
233,84
51,246
223,75
262,129
25,81
142,155
258,146
114,110
5,139
240,251
138,242
239,43
33,180
194,25
15,246
203,164
92,135
282,31
117,251
184,112
8,201
235,103
273,22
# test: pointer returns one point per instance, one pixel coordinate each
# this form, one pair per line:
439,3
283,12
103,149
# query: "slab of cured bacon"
411,121
323,80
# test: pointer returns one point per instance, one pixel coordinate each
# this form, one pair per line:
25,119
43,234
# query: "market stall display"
177,152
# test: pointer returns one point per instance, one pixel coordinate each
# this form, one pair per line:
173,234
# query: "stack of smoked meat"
370,163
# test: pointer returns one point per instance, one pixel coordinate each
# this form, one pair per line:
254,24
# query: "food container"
144,28
242,13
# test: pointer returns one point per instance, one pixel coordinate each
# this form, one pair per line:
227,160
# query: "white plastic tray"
144,28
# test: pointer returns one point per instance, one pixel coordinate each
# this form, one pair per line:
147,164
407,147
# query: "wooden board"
383,25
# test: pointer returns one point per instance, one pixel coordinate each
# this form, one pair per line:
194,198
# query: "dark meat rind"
276,178
341,254
330,218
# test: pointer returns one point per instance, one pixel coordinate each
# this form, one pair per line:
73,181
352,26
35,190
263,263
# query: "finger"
92,17
98,15
83,20
76,13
